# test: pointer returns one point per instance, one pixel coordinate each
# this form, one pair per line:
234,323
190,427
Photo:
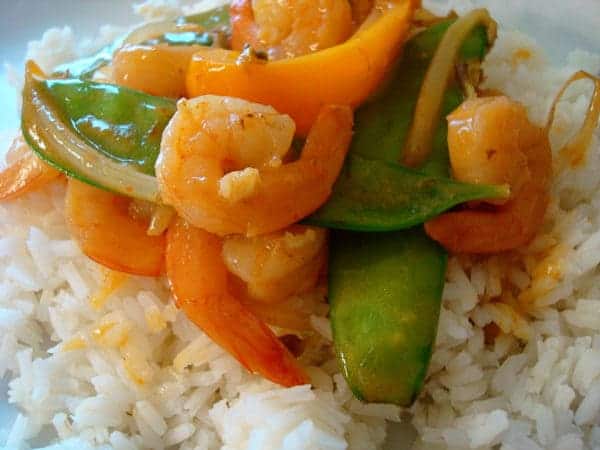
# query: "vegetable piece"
171,32
385,290
344,74
374,277
441,70
182,39
374,195
25,172
101,224
575,151
86,67
199,284
124,124
102,134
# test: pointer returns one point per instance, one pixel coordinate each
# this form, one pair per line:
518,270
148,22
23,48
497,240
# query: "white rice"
135,373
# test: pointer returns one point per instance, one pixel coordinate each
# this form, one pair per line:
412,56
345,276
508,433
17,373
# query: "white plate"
559,26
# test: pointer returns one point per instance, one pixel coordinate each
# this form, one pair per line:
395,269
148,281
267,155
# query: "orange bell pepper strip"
25,172
199,282
345,74
100,223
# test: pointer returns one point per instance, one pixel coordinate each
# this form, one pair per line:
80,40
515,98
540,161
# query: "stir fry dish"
248,158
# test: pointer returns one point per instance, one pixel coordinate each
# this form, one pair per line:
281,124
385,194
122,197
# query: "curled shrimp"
277,265
199,282
103,225
491,140
486,144
220,164
25,171
289,28
155,69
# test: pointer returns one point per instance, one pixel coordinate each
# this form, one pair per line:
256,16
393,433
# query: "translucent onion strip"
57,144
575,150
439,73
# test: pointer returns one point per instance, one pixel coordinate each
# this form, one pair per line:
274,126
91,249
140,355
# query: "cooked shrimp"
288,28
220,164
155,69
361,10
484,143
293,313
491,140
25,171
102,224
199,282
277,265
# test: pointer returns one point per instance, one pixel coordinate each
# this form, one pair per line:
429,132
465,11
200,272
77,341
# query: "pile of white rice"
132,372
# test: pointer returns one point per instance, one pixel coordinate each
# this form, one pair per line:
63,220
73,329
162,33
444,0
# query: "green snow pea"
105,135
123,124
371,195
385,288
384,292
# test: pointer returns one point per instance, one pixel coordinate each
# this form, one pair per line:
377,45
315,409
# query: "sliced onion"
439,73
57,144
574,150
152,30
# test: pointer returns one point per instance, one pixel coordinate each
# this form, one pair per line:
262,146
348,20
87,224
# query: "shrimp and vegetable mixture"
254,153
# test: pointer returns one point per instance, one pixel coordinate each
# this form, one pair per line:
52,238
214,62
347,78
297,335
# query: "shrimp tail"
198,281
485,232
24,175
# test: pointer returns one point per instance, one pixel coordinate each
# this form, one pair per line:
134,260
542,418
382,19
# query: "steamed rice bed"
536,386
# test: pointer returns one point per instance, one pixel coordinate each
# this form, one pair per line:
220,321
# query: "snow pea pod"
385,288
384,292
371,195
121,123
102,134
172,33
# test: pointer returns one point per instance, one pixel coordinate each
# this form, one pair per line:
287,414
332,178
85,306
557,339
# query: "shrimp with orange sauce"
491,140
289,28
277,276
109,230
25,171
200,284
221,164
277,265
155,69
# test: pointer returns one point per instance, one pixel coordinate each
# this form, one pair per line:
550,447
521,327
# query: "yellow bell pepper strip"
345,74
